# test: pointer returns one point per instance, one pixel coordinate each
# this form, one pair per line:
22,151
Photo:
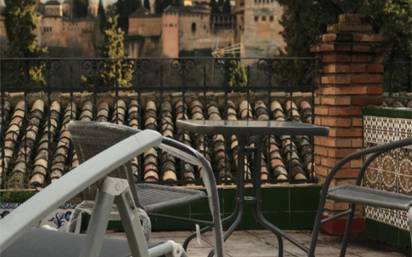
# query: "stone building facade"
257,27
252,27
144,34
3,35
65,35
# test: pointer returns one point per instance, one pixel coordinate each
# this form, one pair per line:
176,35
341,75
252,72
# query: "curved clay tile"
64,148
306,112
41,159
276,161
150,163
409,104
183,136
102,112
133,114
232,115
119,112
87,111
60,157
289,148
168,163
13,131
75,160
4,114
277,110
262,113
197,111
397,104
150,171
292,112
219,149
133,121
245,111
22,163
4,119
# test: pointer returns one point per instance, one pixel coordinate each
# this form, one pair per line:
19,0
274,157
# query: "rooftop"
261,243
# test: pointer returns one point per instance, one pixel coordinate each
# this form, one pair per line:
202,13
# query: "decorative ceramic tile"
391,171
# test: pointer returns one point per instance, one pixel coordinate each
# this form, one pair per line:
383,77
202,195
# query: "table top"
252,127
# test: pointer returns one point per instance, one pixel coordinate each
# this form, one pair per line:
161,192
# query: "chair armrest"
29,213
376,151
192,156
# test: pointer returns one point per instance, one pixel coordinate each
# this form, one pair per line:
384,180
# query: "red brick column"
351,77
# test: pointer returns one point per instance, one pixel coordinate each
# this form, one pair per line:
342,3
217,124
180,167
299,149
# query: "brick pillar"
351,77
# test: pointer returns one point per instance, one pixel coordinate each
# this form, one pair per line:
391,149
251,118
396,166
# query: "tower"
93,7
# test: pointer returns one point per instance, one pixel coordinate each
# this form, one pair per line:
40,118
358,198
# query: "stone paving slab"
261,243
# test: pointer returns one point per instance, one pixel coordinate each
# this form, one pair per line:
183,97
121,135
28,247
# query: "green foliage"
101,12
116,71
80,8
235,72
123,9
161,5
15,196
392,18
21,20
397,27
304,21
146,4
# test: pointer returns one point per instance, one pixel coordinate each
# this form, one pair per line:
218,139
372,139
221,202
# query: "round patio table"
245,130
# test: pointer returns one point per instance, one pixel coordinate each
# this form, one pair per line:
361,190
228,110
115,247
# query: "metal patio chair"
19,238
91,137
357,194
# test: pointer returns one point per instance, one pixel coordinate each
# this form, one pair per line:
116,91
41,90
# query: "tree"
101,12
80,8
161,5
301,29
146,4
116,71
123,9
235,72
177,3
392,18
21,20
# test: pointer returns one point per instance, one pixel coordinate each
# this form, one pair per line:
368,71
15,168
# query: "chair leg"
317,223
348,227
410,224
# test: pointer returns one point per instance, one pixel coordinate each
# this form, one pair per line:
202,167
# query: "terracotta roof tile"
52,155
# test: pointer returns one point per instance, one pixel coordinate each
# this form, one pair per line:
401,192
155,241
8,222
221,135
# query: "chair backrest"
41,204
90,138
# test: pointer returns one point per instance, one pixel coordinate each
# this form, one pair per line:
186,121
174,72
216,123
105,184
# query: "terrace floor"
261,243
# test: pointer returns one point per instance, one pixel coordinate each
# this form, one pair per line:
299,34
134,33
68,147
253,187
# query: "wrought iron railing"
398,78
35,147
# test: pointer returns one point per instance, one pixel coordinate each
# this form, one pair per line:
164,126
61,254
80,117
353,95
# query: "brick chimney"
351,63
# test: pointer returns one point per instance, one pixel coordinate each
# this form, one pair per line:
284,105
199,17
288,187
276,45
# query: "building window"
271,18
193,27
256,18
263,18
47,29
